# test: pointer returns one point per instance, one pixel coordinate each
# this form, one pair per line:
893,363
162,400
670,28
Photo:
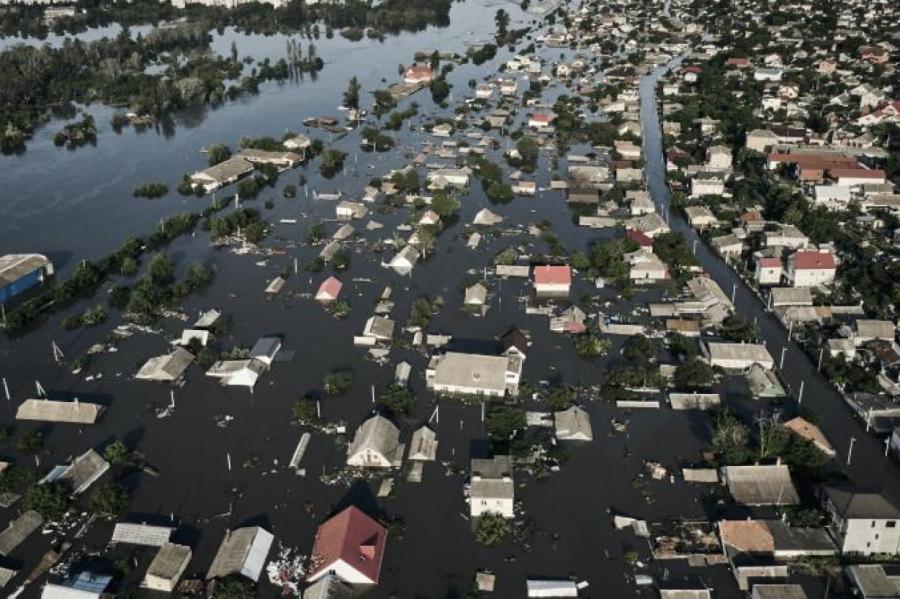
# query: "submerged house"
222,174
573,424
73,412
81,473
376,444
242,552
474,374
349,545
21,272
167,566
492,490
166,368
423,446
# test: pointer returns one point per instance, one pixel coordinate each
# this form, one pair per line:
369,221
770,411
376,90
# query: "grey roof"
329,587
15,266
45,410
166,368
791,296
378,434
141,534
747,352
423,445
265,348
19,530
763,383
778,591
861,504
207,319
379,326
872,581
797,538
492,478
761,485
471,370
875,329
573,424
243,551
84,471
227,169
170,561
6,574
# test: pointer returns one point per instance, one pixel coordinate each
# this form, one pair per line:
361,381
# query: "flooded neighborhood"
449,299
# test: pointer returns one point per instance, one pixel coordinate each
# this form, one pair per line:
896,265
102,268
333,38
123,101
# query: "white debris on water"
286,571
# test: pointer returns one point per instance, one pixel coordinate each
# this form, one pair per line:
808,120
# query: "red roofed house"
857,176
809,268
552,280
741,63
329,290
418,74
349,545
768,270
691,73
640,238
541,120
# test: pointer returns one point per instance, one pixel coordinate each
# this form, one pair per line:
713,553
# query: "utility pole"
800,395
781,362
887,446
733,291
819,365
6,390
850,451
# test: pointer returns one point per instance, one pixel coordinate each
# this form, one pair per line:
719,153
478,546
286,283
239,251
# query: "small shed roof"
166,368
141,534
243,551
169,562
761,485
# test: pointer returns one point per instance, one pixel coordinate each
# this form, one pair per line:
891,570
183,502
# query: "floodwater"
52,189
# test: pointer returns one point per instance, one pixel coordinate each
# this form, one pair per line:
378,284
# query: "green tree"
491,529
501,18
444,204
305,410
50,500
109,501
116,453
218,153
694,374
502,422
731,440
233,587
398,399
337,382
351,96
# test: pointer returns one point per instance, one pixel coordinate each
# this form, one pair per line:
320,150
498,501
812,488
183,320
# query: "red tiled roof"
552,275
812,260
693,70
860,173
769,262
330,286
641,238
418,72
351,537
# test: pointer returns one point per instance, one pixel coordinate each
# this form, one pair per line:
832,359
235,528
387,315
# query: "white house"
492,490
737,356
474,374
810,268
376,444
862,523
403,261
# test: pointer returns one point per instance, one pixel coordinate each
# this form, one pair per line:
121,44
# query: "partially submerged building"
474,374
376,444
243,552
423,445
349,545
761,485
573,424
18,530
222,174
492,490
81,473
737,356
167,568
72,412
166,368
21,272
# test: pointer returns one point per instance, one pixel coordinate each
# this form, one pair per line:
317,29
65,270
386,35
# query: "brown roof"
747,535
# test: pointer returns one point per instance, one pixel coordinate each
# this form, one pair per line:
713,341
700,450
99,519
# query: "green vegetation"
75,135
398,399
332,162
507,257
444,204
109,501
50,500
693,375
377,140
305,410
151,190
607,262
491,529
351,96
423,310
338,382
218,153
116,453
590,344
